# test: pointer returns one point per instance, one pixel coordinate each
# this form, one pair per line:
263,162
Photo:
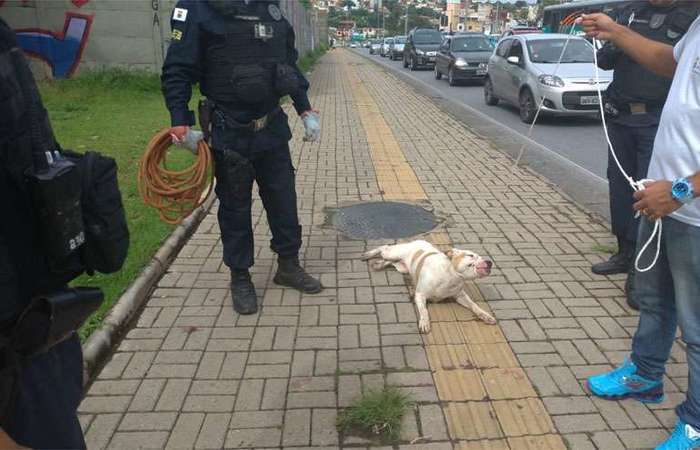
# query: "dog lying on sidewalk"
436,275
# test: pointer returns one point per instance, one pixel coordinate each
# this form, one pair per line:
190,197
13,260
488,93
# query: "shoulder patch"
176,35
180,14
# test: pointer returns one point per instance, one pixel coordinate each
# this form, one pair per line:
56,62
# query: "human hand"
312,125
190,139
655,200
599,26
178,133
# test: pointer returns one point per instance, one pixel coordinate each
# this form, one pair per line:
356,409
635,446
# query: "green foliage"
376,413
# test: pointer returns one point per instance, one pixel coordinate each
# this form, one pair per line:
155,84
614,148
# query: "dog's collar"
421,260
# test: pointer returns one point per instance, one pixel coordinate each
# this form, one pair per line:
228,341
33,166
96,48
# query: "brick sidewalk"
193,374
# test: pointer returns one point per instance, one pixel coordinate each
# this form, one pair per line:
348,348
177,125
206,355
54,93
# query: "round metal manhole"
383,220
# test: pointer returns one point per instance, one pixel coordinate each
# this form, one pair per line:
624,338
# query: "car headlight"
460,63
551,80
420,52
483,65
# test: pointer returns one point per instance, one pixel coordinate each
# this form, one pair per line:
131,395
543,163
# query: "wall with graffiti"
65,36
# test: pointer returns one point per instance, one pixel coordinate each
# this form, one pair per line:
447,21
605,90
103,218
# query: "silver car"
386,46
396,48
521,71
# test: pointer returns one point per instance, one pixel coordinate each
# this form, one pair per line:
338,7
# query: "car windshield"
388,41
471,44
427,37
548,51
401,40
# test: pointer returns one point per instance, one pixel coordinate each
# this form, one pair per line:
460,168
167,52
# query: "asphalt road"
579,140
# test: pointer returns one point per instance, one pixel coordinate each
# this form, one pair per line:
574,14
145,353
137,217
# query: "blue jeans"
669,295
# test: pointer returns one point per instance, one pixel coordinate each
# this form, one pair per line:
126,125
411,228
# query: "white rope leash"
636,185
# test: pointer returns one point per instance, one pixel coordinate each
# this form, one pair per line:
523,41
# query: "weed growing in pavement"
603,248
376,414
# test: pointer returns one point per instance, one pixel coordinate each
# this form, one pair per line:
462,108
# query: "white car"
386,46
522,71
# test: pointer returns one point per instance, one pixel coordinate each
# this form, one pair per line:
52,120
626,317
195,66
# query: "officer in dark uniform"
39,395
633,104
242,54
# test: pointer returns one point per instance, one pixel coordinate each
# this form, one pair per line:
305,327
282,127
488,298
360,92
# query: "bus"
560,18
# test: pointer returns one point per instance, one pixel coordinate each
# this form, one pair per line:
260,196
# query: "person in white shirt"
668,294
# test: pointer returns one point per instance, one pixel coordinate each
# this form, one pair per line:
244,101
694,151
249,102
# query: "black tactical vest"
238,66
633,83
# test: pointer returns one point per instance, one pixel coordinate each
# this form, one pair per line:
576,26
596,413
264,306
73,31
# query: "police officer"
242,54
633,104
39,395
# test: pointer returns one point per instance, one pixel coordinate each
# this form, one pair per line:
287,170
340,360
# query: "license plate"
590,100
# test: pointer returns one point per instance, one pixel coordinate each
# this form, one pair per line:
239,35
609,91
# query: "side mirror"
515,60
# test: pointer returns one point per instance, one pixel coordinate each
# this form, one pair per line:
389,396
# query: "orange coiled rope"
174,193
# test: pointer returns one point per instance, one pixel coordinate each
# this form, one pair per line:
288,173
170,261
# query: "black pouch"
49,319
252,83
286,80
106,231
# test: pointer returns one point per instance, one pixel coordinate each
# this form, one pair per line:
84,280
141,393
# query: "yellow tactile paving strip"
490,403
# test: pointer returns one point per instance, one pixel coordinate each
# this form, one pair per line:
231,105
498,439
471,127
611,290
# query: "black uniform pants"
239,162
49,390
633,146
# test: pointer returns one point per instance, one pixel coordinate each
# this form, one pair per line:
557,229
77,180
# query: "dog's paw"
487,318
424,326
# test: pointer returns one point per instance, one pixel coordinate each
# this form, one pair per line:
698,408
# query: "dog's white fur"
436,277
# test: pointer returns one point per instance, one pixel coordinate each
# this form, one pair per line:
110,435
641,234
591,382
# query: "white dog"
436,275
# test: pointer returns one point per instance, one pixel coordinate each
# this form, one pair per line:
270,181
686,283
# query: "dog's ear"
450,253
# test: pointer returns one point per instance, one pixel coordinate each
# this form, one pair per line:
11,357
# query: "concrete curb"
99,345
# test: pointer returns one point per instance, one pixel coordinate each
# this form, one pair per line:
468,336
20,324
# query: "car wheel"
438,74
451,77
412,66
489,98
528,108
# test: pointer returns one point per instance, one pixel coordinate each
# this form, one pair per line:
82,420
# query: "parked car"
463,57
353,45
521,72
386,44
366,44
396,49
375,46
421,48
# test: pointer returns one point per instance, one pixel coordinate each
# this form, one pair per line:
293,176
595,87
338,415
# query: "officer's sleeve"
181,68
300,98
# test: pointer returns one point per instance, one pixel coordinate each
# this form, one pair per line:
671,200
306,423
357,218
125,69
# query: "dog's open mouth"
483,268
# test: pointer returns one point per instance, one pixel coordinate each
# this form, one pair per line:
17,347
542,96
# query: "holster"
205,110
50,319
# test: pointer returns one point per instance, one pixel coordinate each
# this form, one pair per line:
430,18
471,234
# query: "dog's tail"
372,253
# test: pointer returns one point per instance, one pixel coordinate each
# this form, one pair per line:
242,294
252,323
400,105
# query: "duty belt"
254,126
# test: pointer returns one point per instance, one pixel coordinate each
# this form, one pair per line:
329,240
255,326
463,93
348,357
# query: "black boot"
630,291
291,274
620,262
245,301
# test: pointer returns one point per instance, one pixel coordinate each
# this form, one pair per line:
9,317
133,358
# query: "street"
579,140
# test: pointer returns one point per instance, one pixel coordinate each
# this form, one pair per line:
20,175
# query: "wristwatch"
682,190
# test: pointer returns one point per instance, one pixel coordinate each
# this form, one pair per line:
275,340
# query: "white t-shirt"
677,146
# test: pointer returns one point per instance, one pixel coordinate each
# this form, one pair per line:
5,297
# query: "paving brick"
523,417
545,442
297,428
253,437
142,439
184,435
449,357
432,422
510,383
213,432
498,355
311,400
173,395
576,423
472,420
105,404
101,430
249,395
323,431
147,421
458,385
274,394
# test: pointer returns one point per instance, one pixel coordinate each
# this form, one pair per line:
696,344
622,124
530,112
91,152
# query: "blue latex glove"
312,126
190,140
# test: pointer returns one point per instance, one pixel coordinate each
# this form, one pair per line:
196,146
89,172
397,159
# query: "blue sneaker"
623,382
684,437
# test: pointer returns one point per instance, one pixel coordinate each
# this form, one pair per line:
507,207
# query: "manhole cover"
383,220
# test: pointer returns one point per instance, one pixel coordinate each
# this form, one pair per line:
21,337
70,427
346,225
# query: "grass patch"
605,248
307,61
115,112
376,414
